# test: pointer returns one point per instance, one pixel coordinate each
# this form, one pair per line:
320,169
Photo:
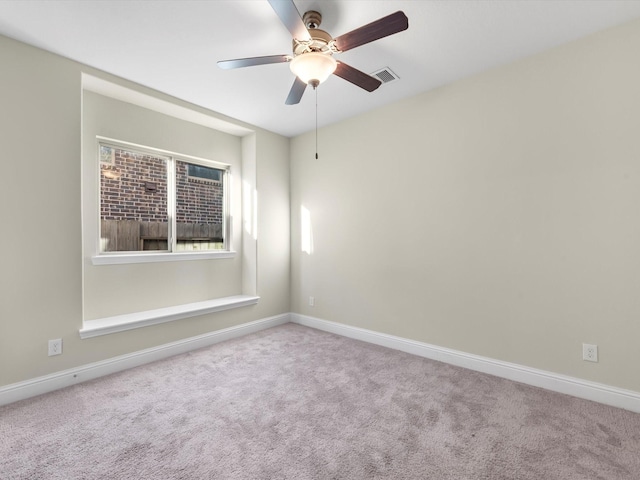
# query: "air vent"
385,75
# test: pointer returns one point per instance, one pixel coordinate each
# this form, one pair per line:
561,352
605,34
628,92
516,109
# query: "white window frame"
112,258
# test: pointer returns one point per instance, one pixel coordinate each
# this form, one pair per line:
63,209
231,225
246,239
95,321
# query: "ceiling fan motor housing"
319,43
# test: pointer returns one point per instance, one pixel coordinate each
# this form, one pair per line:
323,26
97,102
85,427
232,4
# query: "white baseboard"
48,383
576,387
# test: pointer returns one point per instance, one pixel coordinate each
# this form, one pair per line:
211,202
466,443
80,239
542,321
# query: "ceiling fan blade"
383,27
290,17
250,62
295,94
357,77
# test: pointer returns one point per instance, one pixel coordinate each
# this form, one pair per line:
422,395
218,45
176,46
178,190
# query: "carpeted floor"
296,403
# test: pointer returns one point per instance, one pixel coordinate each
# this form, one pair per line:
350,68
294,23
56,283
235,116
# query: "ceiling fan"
312,60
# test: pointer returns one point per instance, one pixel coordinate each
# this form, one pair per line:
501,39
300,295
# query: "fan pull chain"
316,89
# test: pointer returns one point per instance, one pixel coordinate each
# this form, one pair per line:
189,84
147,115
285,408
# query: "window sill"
120,258
129,321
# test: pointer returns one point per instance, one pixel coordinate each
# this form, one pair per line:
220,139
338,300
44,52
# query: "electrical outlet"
589,352
312,301
55,347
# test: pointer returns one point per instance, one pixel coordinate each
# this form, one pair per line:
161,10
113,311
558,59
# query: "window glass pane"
133,201
106,154
199,207
207,173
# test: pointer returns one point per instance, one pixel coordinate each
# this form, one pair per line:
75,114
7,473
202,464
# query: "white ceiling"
173,46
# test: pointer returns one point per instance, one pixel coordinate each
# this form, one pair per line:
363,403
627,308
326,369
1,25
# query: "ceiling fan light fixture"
313,68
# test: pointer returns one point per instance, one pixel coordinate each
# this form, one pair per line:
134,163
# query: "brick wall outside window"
198,200
124,193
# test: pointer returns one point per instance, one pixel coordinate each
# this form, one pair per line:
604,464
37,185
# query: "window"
152,200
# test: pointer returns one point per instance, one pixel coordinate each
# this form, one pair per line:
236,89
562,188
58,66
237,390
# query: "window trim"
115,258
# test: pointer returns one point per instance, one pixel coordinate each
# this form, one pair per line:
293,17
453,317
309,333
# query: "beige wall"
498,216
41,247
